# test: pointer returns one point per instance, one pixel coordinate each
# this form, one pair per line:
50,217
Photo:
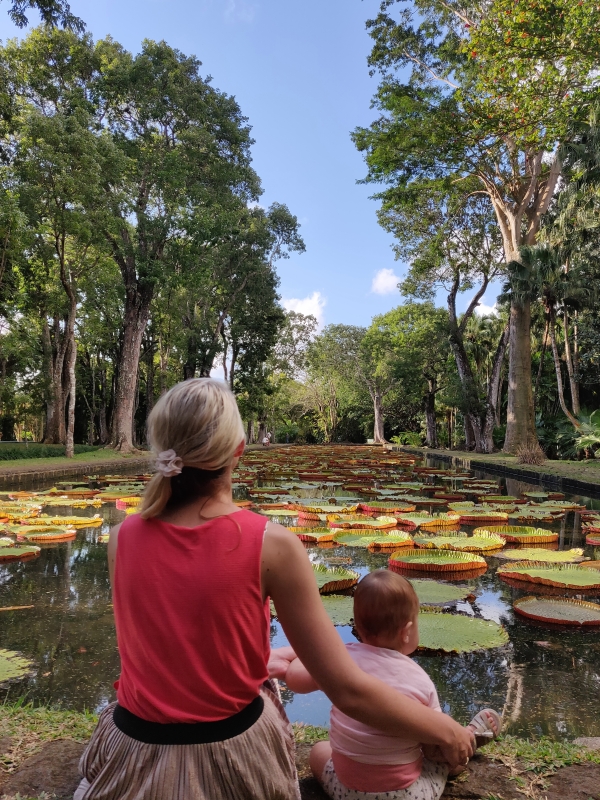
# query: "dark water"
547,681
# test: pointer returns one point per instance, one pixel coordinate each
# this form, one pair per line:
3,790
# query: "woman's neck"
219,503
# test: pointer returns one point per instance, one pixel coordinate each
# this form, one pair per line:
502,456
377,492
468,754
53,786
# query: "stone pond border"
559,482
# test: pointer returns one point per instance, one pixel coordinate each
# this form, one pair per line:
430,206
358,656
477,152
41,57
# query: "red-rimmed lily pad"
334,579
521,534
18,553
558,612
567,576
573,556
480,543
436,561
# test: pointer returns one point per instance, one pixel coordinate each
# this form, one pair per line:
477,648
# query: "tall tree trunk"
573,383
378,434
55,406
520,418
431,427
541,366
486,443
149,378
102,424
135,319
250,431
561,394
70,369
469,434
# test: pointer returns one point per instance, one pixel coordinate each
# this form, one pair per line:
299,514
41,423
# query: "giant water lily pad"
375,540
548,556
313,534
12,665
520,533
334,579
458,633
436,561
359,522
19,553
339,608
279,512
385,507
431,593
558,611
481,543
568,576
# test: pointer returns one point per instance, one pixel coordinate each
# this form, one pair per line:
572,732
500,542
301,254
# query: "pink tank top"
192,628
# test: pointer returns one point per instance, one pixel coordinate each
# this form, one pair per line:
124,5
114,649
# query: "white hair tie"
169,464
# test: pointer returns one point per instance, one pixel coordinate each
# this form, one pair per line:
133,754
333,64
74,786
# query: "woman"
192,575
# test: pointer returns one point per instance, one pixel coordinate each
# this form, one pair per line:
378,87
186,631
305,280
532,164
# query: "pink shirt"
400,759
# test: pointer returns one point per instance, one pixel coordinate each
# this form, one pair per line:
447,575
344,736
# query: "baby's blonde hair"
199,420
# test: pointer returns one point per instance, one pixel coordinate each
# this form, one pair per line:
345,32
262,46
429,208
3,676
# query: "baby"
359,762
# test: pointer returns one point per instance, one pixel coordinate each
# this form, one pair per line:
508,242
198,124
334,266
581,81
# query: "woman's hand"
279,662
458,747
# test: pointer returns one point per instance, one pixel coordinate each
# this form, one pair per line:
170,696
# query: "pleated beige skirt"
259,764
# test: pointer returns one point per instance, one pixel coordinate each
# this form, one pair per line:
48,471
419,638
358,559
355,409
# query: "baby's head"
386,610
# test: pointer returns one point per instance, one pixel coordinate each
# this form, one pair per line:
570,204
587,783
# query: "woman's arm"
287,577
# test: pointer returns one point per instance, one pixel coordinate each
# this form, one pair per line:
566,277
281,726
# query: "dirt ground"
53,770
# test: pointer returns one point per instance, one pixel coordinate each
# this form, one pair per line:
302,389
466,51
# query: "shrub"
530,454
10,451
408,438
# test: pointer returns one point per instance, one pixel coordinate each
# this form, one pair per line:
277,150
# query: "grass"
540,755
92,458
309,734
29,727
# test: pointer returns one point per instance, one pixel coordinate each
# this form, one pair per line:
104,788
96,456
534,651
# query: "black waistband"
187,732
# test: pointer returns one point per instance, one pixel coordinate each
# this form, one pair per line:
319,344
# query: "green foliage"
407,438
10,453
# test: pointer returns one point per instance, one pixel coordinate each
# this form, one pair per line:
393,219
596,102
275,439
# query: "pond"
547,681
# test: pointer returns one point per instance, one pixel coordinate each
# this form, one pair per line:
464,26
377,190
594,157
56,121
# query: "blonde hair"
200,421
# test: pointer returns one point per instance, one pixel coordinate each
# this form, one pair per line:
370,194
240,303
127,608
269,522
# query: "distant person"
266,440
360,762
196,717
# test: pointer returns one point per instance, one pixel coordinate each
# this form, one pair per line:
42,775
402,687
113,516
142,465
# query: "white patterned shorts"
428,786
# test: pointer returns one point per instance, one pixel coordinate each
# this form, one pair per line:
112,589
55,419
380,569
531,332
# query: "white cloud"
240,11
385,282
485,311
313,304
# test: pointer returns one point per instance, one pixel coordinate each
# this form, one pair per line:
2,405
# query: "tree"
52,12
448,122
453,244
417,334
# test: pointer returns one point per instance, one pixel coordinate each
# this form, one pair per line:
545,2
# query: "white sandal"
480,725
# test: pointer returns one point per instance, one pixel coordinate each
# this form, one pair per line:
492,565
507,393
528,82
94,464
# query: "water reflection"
547,680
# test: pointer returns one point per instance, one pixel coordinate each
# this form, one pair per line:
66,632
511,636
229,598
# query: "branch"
473,304
434,75
456,13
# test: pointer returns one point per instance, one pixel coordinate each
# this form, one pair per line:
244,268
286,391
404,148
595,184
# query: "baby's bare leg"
319,756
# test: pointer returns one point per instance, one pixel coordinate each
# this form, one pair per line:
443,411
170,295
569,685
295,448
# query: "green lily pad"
437,560
339,608
547,556
566,576
558,611
474,544
435,593
334,579
520,533
12,665
457,633
18,553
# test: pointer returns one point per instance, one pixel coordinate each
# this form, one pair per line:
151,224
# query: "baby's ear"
405,631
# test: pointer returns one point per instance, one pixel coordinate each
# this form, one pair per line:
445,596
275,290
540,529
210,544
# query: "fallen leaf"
45,674
82,650
95,664
14,608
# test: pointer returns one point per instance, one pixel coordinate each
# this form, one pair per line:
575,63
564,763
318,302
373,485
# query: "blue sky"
299,73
